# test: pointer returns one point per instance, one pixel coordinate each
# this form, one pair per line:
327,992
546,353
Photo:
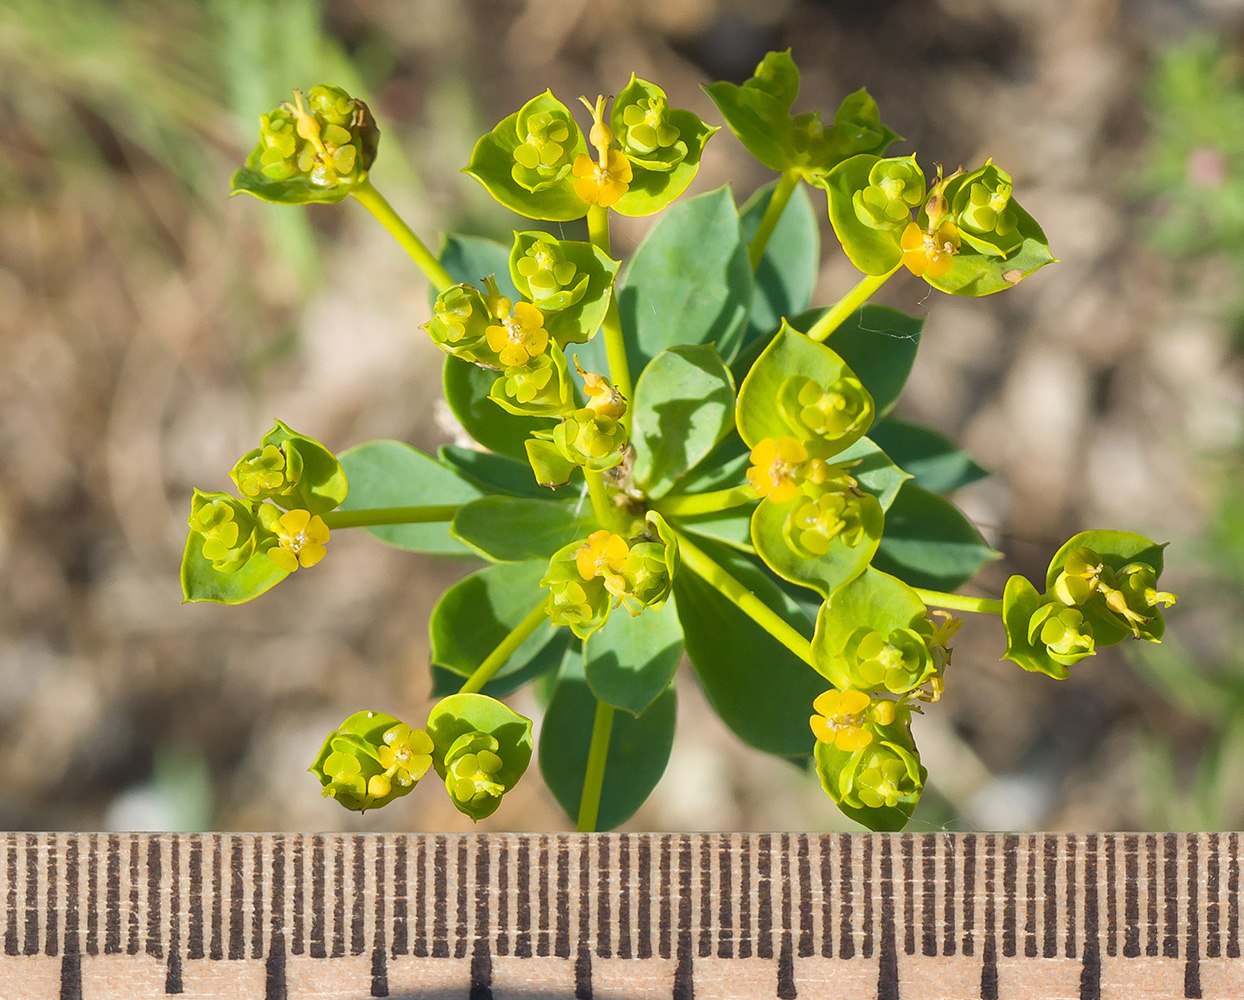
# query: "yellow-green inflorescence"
287,484
317,148
1094,599
371,759
588,578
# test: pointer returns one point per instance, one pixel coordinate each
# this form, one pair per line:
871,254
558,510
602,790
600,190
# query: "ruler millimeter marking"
620,915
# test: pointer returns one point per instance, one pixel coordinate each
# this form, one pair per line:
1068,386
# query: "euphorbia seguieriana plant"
678,456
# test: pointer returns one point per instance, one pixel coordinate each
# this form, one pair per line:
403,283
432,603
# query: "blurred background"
150,329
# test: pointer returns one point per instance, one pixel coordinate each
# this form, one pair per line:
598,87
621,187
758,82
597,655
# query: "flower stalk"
773,214
959,602
495,660
846,306
375,203
705,567
594,777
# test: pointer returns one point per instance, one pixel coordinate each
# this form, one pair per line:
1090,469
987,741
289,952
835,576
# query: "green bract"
291,470
759,114
538,163
871,201
874,634
1001,244
372,759
679,457
525,161
225,565
571,283
662,144
1101,588
317,151
799,388
480,748
879,785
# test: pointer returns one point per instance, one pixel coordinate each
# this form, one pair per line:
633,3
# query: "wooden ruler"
626,916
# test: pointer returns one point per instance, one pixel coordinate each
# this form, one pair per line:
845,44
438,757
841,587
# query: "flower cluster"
588,578
821,501
318,148
477,745
724,458
238,548
635,159
1101,588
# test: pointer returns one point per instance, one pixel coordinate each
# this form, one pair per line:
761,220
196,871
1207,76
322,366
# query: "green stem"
960,602
611,329
505,649
594,779
773,212
690,504
390,515
847,305
703,565
606,511
375,203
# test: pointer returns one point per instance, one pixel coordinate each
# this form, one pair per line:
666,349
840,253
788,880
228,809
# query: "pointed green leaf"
639,748
471,259
873,471
632,659
545,661
689,282
930,543
467,389
758,112
393,474
496,474
684,405
734,527
723,467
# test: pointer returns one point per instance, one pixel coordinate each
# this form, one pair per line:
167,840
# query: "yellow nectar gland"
604,555
606,179
520,336
840,722
302,536
776,469
406,754
930,254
